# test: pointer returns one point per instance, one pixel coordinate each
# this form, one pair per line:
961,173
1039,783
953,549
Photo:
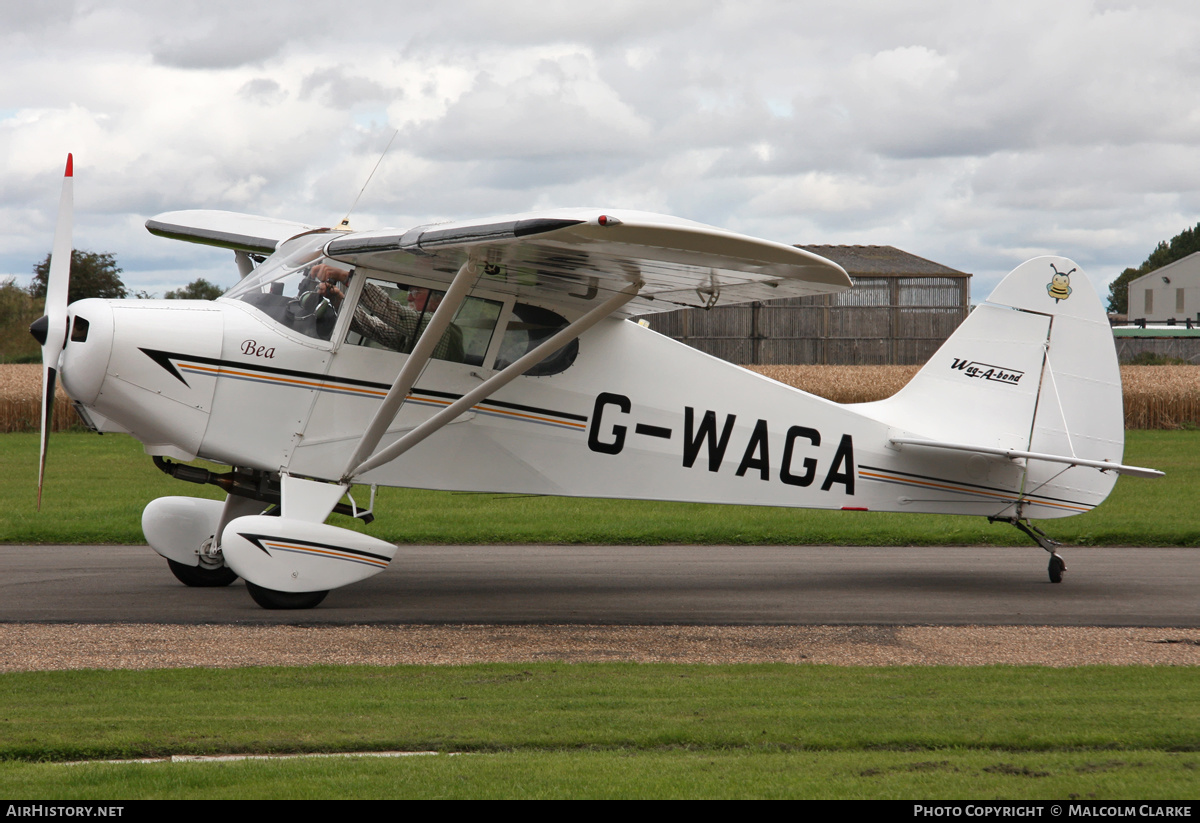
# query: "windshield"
282,289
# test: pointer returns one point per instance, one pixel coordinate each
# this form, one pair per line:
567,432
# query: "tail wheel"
271,599
1057,567
200,577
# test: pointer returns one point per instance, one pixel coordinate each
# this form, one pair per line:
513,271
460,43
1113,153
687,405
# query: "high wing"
572,257
226,229
608,264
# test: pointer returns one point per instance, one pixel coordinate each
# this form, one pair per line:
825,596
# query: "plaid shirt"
398,327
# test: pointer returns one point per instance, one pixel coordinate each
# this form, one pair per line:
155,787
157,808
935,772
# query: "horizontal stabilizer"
1013,454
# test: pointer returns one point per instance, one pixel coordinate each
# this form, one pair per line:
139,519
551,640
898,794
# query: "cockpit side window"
393,316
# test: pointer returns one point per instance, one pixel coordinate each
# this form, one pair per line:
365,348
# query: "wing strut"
491,385
422,351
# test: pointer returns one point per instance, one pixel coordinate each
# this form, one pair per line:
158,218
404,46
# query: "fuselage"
632,415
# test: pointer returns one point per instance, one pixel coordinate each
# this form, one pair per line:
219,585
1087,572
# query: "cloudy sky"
976,134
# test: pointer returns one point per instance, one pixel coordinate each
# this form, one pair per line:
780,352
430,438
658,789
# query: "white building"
1172,292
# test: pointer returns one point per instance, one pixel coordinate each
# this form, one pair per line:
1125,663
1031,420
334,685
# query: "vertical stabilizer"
1034,368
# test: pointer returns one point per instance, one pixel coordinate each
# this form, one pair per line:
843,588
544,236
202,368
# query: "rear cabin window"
528,327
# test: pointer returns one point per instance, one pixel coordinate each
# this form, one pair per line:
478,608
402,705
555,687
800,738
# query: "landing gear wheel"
1057,564
200,577
271,599
1057,567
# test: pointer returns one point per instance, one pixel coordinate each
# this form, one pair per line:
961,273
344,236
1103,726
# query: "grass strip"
609,730
629,774
97,487
77,715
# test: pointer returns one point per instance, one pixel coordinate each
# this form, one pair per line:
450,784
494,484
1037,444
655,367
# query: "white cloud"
966,133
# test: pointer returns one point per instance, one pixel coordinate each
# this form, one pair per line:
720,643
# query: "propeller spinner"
50,330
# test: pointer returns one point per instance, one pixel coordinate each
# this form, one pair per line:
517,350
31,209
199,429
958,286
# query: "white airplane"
501,355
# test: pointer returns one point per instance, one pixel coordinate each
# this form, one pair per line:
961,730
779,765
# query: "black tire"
271,599
200,577
1057,567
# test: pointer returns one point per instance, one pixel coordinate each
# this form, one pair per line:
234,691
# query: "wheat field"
21,400
1161,397
1156,397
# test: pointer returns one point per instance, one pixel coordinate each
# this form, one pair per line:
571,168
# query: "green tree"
1118,291
1167,252
92,275
198,289
17,311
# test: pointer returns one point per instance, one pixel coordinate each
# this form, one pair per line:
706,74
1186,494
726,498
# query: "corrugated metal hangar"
902,307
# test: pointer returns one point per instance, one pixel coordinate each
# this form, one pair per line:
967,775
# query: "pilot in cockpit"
385,320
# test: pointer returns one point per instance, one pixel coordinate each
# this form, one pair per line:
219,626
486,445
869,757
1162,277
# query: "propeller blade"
49,378
51,329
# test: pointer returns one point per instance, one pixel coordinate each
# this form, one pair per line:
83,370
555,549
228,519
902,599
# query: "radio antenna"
345,224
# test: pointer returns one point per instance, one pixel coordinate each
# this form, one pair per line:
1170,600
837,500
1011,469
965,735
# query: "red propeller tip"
70,166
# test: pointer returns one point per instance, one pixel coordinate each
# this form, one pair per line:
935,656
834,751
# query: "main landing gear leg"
1057,564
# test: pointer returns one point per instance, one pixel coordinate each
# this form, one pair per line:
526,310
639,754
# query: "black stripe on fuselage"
164,358
993,489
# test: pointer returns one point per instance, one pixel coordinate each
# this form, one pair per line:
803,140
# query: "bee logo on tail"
1059,286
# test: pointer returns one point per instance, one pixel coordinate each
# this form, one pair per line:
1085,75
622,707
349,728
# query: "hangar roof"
882,261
